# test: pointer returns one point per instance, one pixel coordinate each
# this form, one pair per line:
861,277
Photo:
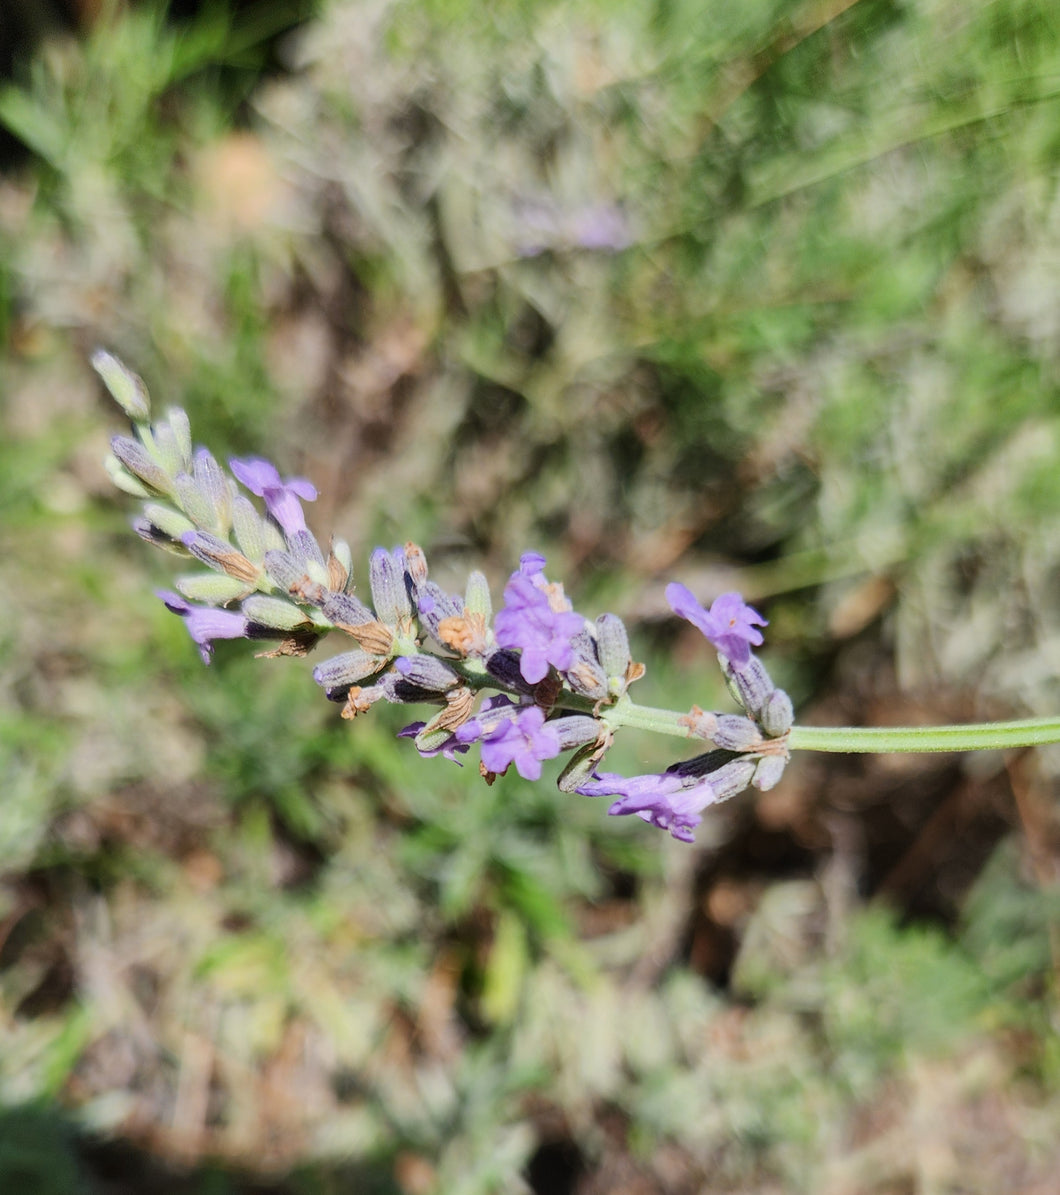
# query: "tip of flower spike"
126,388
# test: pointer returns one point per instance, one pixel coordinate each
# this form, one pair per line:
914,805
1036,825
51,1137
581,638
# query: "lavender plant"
551,681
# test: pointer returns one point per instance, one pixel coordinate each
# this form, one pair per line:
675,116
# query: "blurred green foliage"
753,295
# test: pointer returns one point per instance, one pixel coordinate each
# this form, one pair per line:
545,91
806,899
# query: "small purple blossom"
529,622
729,624
667,800
205,623
262,477
545,224
525,740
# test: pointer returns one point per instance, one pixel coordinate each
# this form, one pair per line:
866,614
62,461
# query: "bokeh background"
760,296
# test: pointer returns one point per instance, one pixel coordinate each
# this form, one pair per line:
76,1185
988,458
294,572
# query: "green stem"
644,717
980,736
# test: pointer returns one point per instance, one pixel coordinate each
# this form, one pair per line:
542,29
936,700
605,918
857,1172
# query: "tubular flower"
667,800
206,623
281,497
730,624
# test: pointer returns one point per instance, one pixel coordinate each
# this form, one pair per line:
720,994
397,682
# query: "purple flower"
447,748
729,624
262,477
524,739
206,623
667,800
530,622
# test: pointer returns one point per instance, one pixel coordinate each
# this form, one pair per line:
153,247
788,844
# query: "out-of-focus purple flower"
524,739
601,226
730,624
667,800
448,748
262,477
529,622
205,623
544,224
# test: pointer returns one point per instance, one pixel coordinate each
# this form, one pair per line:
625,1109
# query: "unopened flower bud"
477,598
434,606
146,530
575,730
732,778
291,576
212,588
126,388
212,484
735,733
346,611
579,768
336,675
750,685
584,674
427,672
254,534
273,612
504,665
777,714
170,522
167,447
386,576
124,480
769,771
141,464
219,554
612,646
304,547
195,504
180,429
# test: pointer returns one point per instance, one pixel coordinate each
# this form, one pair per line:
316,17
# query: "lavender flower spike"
666,800
524,740
529,622
262,477
730,624
205,623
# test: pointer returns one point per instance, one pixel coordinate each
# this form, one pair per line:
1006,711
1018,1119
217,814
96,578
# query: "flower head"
262,477
730,624
206,623
524,739
531,622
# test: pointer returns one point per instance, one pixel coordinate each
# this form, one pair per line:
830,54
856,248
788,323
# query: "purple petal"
256,474
205,623
262,477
